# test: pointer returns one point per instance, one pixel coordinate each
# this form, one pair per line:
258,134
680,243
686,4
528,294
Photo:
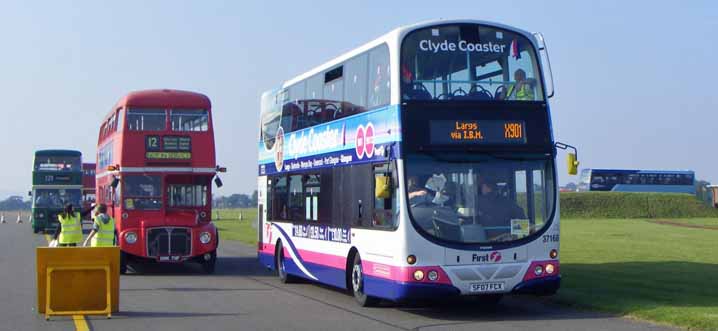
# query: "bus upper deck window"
146,119
189,120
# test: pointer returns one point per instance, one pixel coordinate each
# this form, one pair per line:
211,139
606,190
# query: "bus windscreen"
469,62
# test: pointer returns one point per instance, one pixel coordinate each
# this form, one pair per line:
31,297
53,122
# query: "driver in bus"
522,89
495,211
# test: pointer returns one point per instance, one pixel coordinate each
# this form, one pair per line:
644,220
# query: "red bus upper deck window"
146,119
189,120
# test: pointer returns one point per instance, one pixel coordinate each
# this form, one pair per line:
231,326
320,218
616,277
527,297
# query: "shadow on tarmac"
226,266
150,314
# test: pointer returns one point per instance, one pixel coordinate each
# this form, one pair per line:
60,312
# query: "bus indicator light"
411,259
553,254
419,275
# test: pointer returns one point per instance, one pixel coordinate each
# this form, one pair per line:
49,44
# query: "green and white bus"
56,181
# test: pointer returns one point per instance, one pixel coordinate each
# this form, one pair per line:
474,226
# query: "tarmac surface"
242,295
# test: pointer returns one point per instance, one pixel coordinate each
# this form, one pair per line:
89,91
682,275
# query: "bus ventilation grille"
168,242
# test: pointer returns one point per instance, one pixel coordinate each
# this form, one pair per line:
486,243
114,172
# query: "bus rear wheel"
284,276
35,229
357,284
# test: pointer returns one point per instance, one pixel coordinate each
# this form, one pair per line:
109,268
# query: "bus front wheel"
208,265
123,263
284,277
357,284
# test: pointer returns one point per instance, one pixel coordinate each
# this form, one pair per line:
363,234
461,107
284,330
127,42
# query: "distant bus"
632,180
419,165
155,164
88,186
56,181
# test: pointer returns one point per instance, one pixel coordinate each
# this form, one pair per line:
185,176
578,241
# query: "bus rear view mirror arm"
571,159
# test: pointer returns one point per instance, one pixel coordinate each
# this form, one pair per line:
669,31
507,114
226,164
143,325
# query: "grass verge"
231,227
633,205
657,272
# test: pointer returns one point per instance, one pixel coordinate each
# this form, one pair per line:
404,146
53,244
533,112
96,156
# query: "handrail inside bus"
544,49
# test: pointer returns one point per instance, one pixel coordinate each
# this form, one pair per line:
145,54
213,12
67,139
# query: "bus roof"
58,152
393,37
686,172
165,98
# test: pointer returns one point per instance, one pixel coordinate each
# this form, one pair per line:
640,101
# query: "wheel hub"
356,278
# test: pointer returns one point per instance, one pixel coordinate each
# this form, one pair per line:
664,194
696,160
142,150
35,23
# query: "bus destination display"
171,148
443,132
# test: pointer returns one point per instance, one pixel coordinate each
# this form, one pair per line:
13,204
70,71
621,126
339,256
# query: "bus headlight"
550,269
40,215
203,215
205,237
130,238
433,275
538,270
418,275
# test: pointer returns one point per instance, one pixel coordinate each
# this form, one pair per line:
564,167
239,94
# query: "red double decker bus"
155,164
88,186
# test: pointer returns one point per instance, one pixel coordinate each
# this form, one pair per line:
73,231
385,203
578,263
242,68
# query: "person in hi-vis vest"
69,231
103,229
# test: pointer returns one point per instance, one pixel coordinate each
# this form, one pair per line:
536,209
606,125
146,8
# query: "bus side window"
383,215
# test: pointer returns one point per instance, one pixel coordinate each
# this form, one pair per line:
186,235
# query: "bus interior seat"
446,230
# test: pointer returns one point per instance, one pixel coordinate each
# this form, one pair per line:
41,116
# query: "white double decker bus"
419,165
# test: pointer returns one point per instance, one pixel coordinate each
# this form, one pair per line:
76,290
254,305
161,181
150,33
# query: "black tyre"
208,265
35,229
356,278
284,277
123,263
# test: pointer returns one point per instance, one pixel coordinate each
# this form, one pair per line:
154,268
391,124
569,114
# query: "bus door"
261,209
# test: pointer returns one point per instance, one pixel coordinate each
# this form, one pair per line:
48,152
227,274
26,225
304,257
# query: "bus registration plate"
487,287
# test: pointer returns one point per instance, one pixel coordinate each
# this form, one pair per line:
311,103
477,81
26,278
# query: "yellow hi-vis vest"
105,236
524,93
71,232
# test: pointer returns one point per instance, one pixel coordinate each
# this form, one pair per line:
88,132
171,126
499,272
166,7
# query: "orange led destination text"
466,131
513,131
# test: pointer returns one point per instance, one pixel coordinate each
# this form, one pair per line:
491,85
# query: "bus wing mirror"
572,163
571,158
29,193
218,181
115,182
382,187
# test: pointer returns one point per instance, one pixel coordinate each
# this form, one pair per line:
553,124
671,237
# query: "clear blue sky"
636,80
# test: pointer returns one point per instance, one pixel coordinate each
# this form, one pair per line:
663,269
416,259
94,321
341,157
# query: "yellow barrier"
78,280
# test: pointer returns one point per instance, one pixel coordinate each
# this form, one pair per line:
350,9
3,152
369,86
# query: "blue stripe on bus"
374,286
310,162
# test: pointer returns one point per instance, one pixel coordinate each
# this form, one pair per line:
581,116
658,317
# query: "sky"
635,80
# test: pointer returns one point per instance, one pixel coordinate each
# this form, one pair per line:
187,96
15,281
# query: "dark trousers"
67,245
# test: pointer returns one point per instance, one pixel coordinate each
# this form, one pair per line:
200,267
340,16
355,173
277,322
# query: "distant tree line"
237,200
15,202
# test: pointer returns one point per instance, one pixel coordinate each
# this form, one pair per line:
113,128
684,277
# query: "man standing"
103,229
